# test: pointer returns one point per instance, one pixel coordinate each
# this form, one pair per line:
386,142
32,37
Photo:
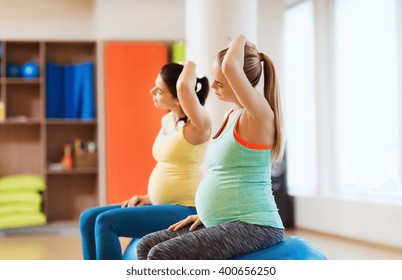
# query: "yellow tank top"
178,170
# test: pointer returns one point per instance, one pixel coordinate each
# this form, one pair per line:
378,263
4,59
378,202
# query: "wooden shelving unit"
29,141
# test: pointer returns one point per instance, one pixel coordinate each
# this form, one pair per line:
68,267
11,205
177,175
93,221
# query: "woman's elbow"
229,67
182,85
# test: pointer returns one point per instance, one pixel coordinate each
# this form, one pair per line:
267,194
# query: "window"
367,97
362,106
299,98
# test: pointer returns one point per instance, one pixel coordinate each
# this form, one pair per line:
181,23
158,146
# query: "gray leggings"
220,242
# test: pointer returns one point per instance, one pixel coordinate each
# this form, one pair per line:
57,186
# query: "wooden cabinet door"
132,121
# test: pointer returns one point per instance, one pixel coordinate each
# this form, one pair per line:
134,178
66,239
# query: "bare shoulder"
262,125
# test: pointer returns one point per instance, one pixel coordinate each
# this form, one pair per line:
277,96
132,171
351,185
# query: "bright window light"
299,99
367,97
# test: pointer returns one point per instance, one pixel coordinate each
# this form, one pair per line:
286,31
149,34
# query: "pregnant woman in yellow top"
179,151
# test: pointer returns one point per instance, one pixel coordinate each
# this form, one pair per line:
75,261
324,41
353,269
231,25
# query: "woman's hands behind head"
188,77
198,129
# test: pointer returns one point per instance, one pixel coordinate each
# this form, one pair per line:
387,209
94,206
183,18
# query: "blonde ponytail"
271,93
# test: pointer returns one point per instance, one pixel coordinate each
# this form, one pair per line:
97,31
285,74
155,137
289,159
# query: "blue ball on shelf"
30,70
13,70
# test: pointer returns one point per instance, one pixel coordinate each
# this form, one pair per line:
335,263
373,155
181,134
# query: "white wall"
47,19
161,20
270,31
369,221
92,19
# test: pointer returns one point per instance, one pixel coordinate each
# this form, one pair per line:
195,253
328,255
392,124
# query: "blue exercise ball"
291,248
30,70
13,70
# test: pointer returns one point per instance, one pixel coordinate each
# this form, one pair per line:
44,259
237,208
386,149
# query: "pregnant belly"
172,185
216,202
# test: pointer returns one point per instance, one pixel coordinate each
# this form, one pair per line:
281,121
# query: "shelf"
70,122
74,171
70,195
70,52
21,80
29,140
22,52
21,121
21,149
24,99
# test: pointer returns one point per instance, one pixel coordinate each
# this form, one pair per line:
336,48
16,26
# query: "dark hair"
170,74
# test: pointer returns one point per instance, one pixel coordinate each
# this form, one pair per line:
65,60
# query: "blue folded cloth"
70,91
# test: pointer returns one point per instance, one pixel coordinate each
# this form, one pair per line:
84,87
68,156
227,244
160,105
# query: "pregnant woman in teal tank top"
236,211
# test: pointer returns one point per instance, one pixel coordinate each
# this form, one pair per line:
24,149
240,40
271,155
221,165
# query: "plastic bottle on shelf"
67,160
2,111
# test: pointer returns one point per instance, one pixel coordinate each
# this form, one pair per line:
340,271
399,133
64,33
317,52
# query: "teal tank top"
237,186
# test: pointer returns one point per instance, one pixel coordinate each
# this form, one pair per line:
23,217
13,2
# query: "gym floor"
67,246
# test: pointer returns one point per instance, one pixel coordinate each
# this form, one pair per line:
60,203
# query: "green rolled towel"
22,182
12,208
9,198
22,220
